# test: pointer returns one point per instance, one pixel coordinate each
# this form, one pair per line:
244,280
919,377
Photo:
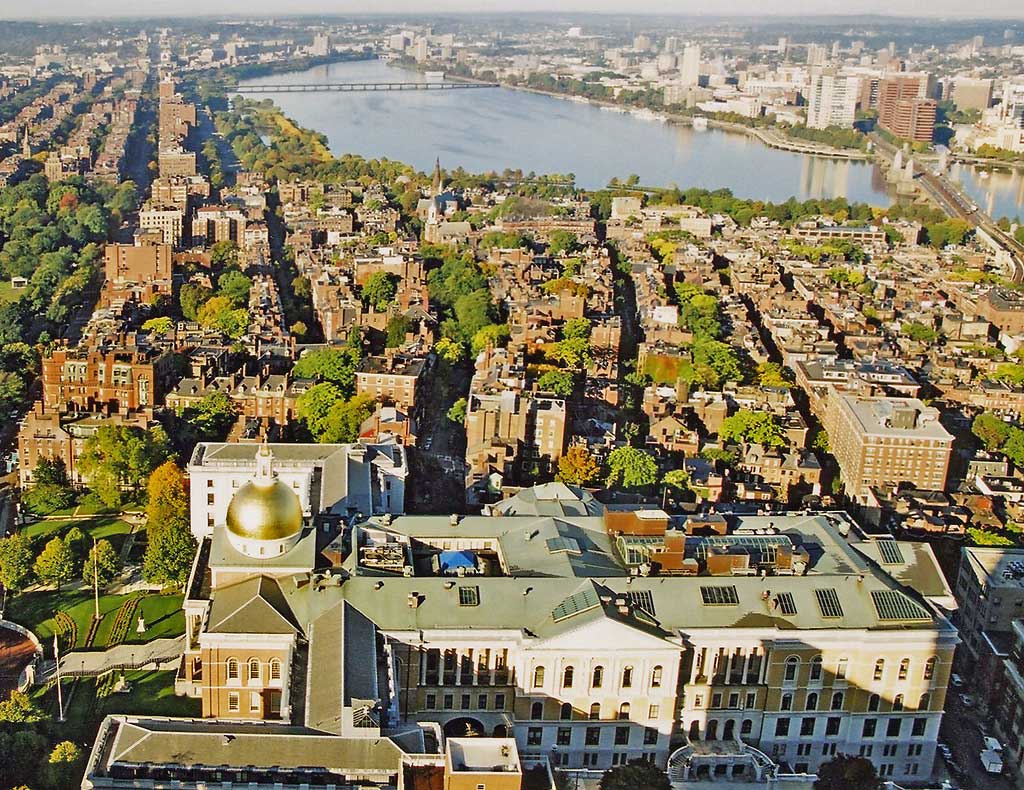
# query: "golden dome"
264,510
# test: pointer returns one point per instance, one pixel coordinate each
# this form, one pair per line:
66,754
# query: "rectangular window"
254,701
919,727
469,596
650,736
534,736
807,726
448,702
832,725
782,727
621,736
431,701
653,711
734,701
716,700
464,702
234,702
751,699
892,729
593,736
564,736
499,702
481,702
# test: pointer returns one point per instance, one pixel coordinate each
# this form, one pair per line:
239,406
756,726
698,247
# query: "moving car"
991,761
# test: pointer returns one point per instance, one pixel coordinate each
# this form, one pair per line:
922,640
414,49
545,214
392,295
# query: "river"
498,128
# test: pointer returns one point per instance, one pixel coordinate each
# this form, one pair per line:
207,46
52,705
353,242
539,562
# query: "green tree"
820,441
635,775
578,467
562,241
990,430
212,416
451,351
1014,446
106,561
55,564
573,352
169,552
224,254
15,562
629,467
19,708
192,297
234,286
396,330
677,480
457,412
713,362
380,290
333,365
51,490
748,426
983,537
496,335
557,382
121,457
774,375
314,405
345,418
847,772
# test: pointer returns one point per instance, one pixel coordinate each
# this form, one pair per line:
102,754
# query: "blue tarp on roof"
452,560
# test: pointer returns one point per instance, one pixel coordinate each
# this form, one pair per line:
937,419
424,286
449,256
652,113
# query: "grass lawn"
8,293
35,611
152,694
99,527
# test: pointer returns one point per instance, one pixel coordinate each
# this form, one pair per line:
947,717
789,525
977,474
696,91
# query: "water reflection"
494,129
998,194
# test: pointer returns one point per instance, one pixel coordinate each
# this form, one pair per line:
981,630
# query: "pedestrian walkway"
96,662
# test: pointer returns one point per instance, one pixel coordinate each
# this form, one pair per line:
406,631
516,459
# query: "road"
962,731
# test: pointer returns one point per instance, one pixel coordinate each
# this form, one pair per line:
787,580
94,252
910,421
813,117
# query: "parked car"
945,751
991,761
967,700
956,680
992,744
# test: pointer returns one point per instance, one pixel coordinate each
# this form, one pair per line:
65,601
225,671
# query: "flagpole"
60,698
96,577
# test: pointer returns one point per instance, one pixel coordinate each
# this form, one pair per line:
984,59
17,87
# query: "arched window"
275,669
926,701
712,731
792,667
837,701
746,727
254,669
812,701
904,669
841,667
566,712
595,710
598,678
567,674
627,677
879,668
787,702
624,710
816,668
897,703
873,701
929,668
232,668
537,710
656,677
694,730
538,677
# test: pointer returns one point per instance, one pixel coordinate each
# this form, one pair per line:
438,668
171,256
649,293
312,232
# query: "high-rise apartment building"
832,100
904,109
689,69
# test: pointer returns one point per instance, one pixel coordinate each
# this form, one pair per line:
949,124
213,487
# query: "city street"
961,730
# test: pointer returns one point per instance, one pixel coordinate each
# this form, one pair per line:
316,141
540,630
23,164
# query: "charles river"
497,128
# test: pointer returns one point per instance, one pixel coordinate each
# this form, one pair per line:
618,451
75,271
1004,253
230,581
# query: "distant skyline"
51,9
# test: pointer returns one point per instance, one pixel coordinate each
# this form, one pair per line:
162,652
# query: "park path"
96,662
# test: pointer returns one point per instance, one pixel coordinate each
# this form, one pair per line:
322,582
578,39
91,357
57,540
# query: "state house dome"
264,516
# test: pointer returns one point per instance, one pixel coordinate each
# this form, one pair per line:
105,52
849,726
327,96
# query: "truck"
991,761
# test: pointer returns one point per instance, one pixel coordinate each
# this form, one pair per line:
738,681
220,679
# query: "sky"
17,9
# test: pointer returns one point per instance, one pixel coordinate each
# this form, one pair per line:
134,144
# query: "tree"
120,457
314,405
64,764
451,351
167,494
15,562
380,290
457,412
345,419
234,286
212,415
55,564
558,382
496,335
19,709
678,480
820,441
161,326
334,365
629,467
847,772
560,241
223,254
748,426
396,330
51,471
51,490
635,775
191,297
713,362
573,352
1014,446
169,552
106,561
577,328
990,430
774,375
578,467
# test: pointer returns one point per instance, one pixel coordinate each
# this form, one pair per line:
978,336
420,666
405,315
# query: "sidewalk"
96,662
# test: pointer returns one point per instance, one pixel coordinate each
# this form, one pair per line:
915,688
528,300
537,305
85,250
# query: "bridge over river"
360,87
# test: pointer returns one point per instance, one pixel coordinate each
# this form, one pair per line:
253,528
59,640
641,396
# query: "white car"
967,700
992,743
956,680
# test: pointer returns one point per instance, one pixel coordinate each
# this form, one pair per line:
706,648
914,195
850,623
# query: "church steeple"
26,144
435,187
